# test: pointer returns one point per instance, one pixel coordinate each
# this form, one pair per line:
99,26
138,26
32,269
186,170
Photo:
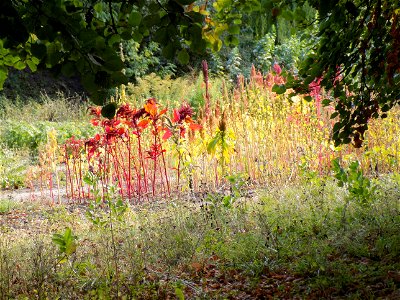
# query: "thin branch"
114,26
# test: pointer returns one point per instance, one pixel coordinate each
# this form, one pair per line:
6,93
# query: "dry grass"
288,242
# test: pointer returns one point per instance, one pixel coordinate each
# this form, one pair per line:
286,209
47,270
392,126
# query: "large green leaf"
32,66
279,88
135,18
108,111
169,51
19,65
183,57
162,36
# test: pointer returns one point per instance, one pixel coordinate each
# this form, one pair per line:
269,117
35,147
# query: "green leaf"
89,180
212,145
279,89
119,78
3,76
114,39
99,97
308,98
99,7
346,140
179,293
334,115
183,57
227,201
288,15
231,40
135,18
88,82
127,34
35,60
68,234
108,111
31,65
112,61
234,29
217,45
169,51
65,242
70,248
58,239
137,36
162,36
326,102
53,58
151,20
20,65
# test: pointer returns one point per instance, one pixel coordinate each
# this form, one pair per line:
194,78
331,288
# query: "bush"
28,135
13,165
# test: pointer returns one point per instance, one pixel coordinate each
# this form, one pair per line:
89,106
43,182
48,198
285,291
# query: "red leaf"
151,108
162,112
167,134
94,122
182,132
194,126
176,117
121,131
143,123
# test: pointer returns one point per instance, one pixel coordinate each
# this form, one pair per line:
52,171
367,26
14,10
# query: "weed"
287,236
7,205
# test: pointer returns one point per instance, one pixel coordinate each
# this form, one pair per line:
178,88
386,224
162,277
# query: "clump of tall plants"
247,128
130,152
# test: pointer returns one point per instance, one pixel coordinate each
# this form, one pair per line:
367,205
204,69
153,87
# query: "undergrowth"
284,242
25,128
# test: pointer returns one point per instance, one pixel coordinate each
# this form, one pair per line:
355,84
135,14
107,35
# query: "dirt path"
27,194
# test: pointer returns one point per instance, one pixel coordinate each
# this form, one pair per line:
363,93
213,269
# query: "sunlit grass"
295,230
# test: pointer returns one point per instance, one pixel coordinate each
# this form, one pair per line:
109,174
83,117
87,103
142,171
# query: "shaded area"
27,85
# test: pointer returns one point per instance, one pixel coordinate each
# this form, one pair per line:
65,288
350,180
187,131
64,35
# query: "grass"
7,205
22,141
298,236
286,242
58,108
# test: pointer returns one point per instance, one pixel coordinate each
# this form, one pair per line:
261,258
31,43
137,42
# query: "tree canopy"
356,60
355,56
83,37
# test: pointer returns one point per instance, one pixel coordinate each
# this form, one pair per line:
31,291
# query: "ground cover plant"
288,241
